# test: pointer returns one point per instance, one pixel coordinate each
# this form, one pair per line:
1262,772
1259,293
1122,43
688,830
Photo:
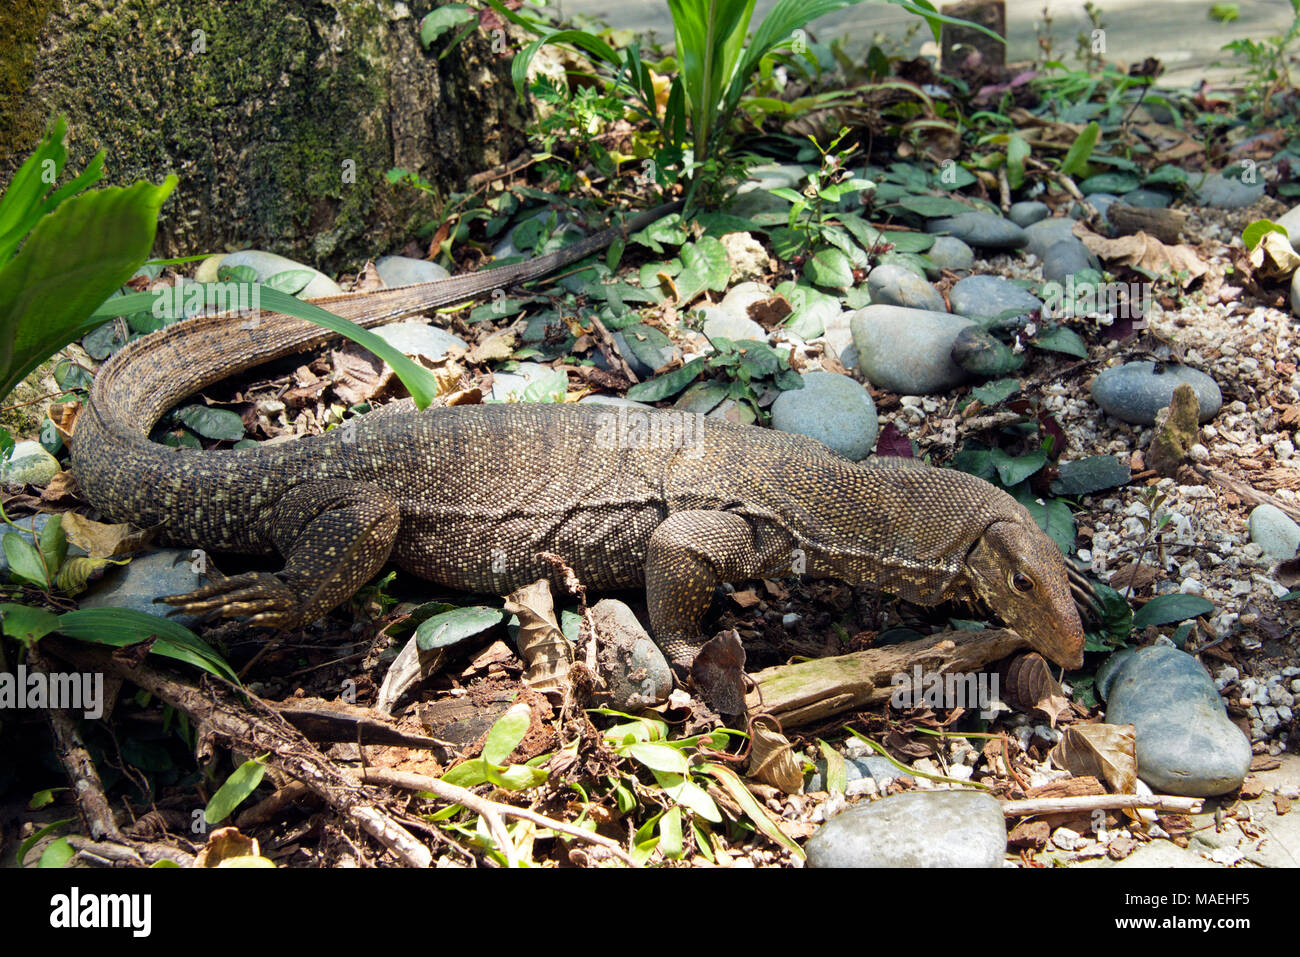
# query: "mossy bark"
281,117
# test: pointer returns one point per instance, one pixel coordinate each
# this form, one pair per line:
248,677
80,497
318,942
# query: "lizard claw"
260,597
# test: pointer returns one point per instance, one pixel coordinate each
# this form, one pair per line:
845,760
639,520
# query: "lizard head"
1020,574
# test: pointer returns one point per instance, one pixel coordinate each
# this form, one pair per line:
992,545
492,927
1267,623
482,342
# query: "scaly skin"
468,496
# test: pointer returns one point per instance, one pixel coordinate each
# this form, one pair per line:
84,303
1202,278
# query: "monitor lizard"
467,496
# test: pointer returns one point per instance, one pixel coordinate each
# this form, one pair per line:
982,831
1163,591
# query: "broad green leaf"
668,230
831,268
1061,339
1013,471
689,795
291,281
24,560
668,384
216,424
1256,231
235,791
837,778
54,545
708,260
1092,474
670,834
909,242
1053,516
999,390
442,19
32,841
449,627
468,774
932,207
1017,152
517,777
1166,609
72,260
659,757
506,733
57,854
26,624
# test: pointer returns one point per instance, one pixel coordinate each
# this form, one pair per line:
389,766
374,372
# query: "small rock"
855,769
1066,258
168,571
29,464
1175,432
1147,198
831,408
743,295
1295,291
720,323
908,351
748,259
1027,213
1227,192
1135,392
507,384
1046,233
993,301
1101,202
979,228
269,264
415,338
635,671
1185,742
404,271
1274,531
896,286
949,252
914,829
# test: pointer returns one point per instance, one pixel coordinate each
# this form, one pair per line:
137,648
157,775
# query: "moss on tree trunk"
280,116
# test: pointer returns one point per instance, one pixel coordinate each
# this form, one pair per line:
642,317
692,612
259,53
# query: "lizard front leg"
334,536
689,554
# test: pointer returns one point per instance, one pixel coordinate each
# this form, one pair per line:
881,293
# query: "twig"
1102,802
1248,492
458,795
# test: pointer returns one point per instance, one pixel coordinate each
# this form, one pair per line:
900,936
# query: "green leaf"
1077,158
236,789
42,798
787,243
1168,174
1013,471
1253,234
54,545
830,267
439,21
1061,339
689,795
658,757
25,624
120,627
708,260
32,841
1166,609
291,281
909,242
670,834
837,777
506,733
217,424
24,560
933,207
668,384
754,810
668,230
71,262
57,854
1092,474
999,390
1017,152
468,774
517,777
450,627
1053,516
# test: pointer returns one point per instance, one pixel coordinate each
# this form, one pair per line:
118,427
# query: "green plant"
1270,71
828,185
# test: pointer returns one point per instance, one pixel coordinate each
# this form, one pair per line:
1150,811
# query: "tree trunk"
281,117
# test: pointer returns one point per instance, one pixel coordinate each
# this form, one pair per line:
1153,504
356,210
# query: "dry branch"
1102,802
813,690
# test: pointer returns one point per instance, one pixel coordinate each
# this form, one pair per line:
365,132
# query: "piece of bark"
812,690
1165,225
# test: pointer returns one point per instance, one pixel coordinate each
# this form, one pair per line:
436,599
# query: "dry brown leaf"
1027,683
226,846
60,488
543,647
493,349
1274,257
369,279
1133,576
772,759
1108,751
746,599
100,540
1145,252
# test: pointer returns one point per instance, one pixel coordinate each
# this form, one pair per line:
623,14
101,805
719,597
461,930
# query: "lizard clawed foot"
263,598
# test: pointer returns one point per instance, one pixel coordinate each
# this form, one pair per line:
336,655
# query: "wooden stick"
813,690
1248,492
1103,802
459,795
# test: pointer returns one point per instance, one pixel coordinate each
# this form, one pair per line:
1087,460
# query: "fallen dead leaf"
1145,252
100,540
1107,751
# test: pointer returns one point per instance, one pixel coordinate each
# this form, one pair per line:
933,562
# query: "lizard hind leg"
334,536
690,553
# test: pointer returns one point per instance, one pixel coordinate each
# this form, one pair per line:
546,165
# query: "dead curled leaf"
543,647
1107,751
772,759
1274,257
100,540
1146,252
1027,684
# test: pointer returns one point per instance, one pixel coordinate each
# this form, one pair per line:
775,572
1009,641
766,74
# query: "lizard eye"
1022,582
